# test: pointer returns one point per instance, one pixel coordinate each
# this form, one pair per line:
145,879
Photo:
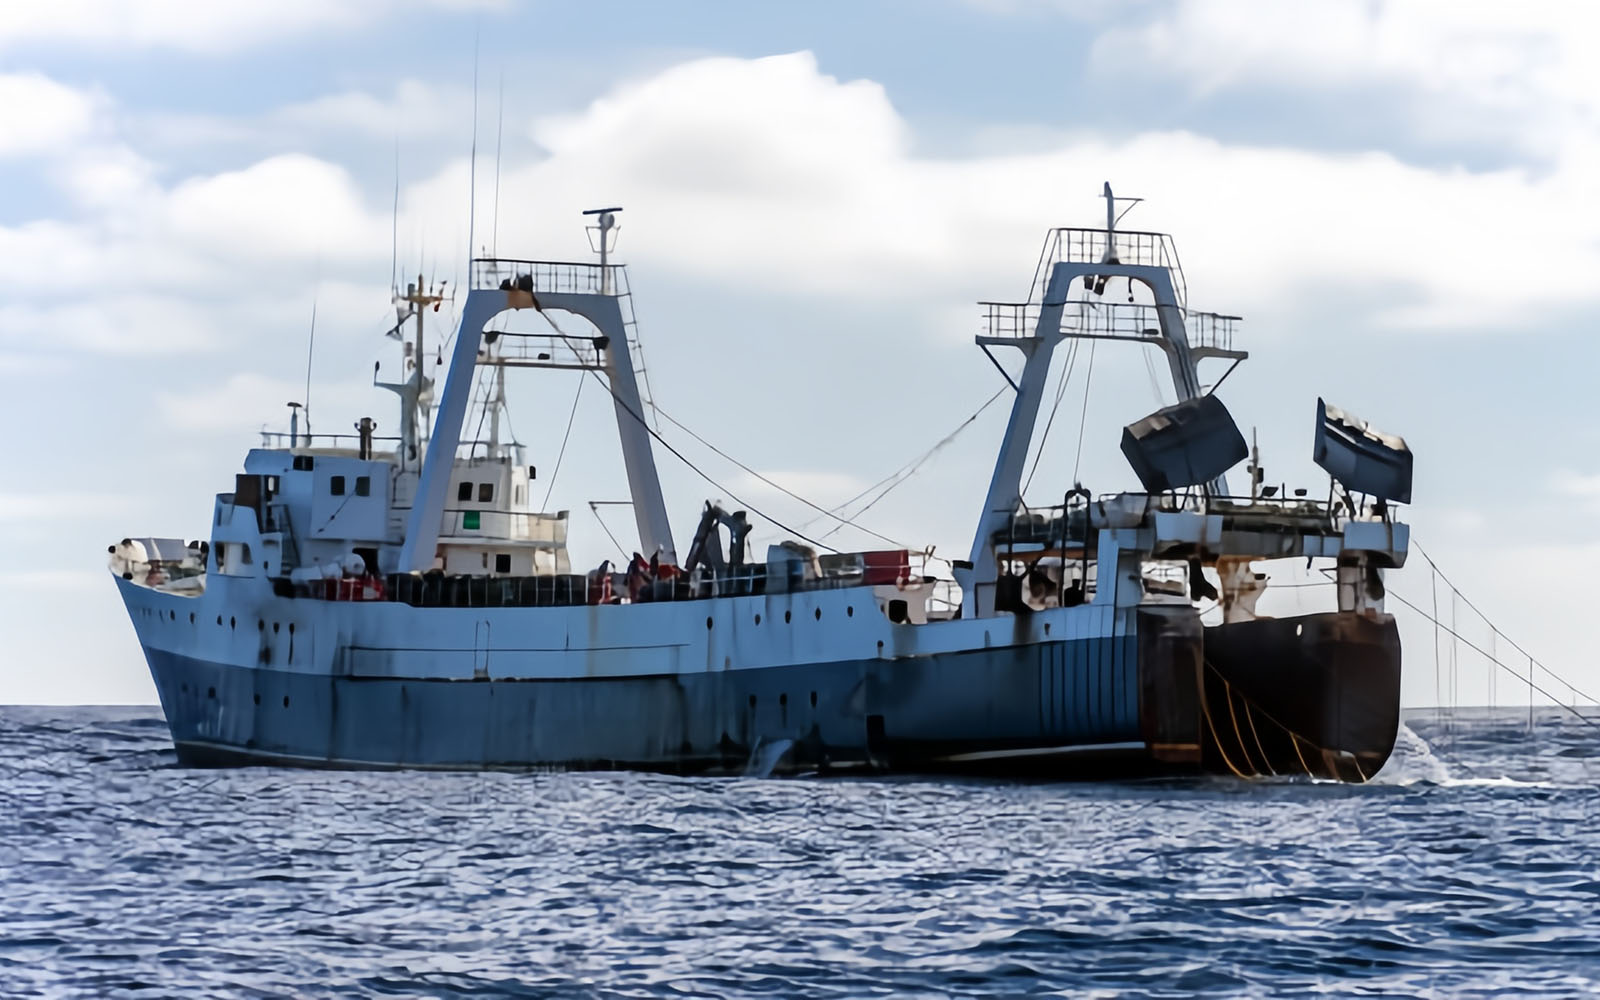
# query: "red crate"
887,566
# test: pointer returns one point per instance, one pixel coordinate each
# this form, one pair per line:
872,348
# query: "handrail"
1119,320
543,275
1088,246
273,439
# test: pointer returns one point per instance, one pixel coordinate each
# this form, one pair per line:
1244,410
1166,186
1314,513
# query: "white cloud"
415,109
1579,486
39,115
772,175
286,206
30,364
119,324
249,401
1471,68
204,26
769,173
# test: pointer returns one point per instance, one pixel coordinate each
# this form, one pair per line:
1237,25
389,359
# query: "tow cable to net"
680,456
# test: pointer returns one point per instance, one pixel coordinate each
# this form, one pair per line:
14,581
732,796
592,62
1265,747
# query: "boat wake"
764,758
1413,762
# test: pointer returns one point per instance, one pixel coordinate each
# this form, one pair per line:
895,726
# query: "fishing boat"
371,602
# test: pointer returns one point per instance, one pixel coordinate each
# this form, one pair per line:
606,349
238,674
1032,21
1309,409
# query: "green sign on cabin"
469,521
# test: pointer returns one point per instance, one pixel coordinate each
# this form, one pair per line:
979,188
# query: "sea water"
1470,866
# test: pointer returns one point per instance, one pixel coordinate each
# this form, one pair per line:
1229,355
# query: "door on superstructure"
480,652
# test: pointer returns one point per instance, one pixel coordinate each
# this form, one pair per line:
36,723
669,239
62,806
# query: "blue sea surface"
1470,866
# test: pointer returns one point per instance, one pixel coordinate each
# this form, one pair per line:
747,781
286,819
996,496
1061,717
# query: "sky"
1397,196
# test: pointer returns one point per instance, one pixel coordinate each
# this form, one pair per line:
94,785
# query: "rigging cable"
595,510
1088,382
1061,391
499,132
394,225
1480,651
545,504
1479,612
910,468
781,489
483,414
1449,630
914,466
472,170
1155,381
680,456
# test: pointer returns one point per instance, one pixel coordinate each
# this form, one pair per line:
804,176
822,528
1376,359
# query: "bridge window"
232,557
363,486
464,491
336,485
502,562
303,463
486,492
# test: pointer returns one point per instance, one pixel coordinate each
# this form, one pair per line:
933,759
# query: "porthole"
173,615
708,622
783,700
211,692
285,701
233,622
819,614
191,618
261,625
813,699
258,699
752,701
880,645
850,611
1046,628
787,617
758,619
274,628
291,628
219,619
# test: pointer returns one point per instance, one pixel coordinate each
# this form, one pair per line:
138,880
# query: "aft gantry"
594,292
1049,316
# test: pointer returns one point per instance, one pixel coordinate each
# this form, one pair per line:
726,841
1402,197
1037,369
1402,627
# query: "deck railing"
1088,246
1115,320
544,275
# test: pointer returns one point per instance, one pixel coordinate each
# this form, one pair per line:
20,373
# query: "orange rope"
1296,741
1227,690
1294,738
1257,737
1205,709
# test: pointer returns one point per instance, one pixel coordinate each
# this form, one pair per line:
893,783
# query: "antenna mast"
472,170
605,224
311,343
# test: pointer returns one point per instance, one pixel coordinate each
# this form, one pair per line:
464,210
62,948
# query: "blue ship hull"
1111,692
981,709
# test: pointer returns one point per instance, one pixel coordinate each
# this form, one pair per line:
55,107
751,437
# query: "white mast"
415,391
